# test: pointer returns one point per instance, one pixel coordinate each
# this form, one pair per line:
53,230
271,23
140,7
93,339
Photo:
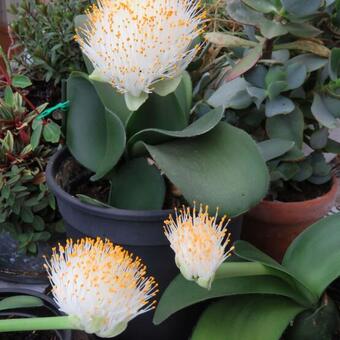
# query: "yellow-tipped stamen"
100,285
133,44
200,243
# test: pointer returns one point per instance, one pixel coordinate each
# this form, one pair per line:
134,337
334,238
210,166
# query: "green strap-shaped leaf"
20,301
248,252
95,136
137,185
223,158
246,317
182,293
157,136
314,255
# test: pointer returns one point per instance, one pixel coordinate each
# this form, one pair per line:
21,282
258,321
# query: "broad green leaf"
332,146
158,136
9,96
95,136
278,106
273,148
289,127
222,157
20,301
182,293
296,75
112,100
137,185
319,139
301,8
246,317
321,113
246,251
21,81
92,201
160,113
246,63
313,257
264,6
183,94
334,64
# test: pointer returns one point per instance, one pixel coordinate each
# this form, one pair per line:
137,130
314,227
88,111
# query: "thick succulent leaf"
321,112
95,136
167,86
246,317
289,127
245,64
314,255
279,105
244,14
272,29
301,8
158,136
257,94
264,6
311,61
184,92
137,185
303,30
319,139
273,148
223,158
162,112
182,293
257,76
20,301
296,75
246,251
228,93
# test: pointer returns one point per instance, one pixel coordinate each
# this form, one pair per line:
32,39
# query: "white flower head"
199,242
135,44
100,285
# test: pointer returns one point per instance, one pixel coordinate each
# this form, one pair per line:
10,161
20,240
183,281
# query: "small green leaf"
167,86
321,112
36,135
20,301
51,132
278,106
334,64
289,127
301,8
246,317
137,185
21,81
9,96
264,6
311,61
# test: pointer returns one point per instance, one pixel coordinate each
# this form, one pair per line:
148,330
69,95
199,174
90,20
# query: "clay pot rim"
325,197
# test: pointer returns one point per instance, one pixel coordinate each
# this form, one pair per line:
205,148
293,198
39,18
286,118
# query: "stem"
38,324
237,269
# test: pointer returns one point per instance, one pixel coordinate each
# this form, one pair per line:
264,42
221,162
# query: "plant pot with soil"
27,304
135,152
284,91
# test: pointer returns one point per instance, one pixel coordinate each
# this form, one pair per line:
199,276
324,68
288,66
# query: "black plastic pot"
48,309
141,232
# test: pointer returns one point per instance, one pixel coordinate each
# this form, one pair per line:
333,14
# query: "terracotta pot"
272,225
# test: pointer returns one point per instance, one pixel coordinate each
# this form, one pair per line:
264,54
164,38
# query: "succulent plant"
279,81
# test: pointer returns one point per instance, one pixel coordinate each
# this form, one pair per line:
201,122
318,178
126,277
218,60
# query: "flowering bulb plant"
261,297
100,287
130,120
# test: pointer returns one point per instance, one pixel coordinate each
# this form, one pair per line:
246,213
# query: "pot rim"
119,214
325,197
